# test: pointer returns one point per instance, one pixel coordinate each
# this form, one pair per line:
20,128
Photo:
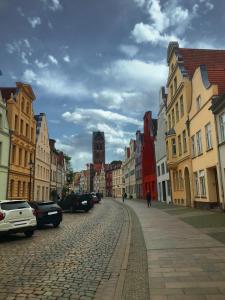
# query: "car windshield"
14,205
47,205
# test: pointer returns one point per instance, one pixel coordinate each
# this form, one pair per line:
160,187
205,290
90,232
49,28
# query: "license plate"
52,213
19,223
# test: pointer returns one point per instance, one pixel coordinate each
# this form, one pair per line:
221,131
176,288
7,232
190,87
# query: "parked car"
75,202
47,213
94,197
17,216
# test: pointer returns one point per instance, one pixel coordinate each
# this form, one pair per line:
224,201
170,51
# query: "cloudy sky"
99,64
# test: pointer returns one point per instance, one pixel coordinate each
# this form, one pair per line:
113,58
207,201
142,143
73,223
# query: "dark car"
95,197
47,213
76,202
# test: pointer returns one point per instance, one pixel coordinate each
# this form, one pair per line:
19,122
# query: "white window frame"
208,136
199,142
222,127
193,147
202,182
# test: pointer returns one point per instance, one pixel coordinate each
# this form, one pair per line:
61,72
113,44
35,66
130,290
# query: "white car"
17,216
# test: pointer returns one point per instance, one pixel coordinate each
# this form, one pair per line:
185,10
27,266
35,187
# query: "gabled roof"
191,59
8,91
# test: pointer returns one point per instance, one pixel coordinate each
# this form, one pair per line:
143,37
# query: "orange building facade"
22,125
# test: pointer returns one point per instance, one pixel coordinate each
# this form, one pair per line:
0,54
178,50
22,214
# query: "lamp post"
31,165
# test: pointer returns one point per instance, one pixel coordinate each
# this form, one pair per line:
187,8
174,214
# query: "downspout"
10,137
219,162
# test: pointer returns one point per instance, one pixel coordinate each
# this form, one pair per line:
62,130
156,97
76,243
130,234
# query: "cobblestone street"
65,263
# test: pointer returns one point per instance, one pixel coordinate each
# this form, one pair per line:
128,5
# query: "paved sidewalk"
183,262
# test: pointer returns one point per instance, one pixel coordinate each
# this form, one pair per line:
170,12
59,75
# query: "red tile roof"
7,91
193,58
213,60
217,76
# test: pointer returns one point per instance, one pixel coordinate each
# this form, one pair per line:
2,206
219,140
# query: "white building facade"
163,178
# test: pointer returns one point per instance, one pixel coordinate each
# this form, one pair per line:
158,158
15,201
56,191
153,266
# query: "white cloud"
53,5
56,83
66,58
209,5
53,59
164,25
20,11
140,3
113,99
24,58
119,151
34,21
129,50
85,115
40,64
144,33
50,25
142,76
29,76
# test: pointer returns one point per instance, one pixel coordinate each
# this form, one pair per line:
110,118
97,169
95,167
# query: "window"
175,84
25,158
27,130
222,126
173,118
16,123
158,170
168,187
167,150
193,146
181,106
208,135
20,157
12,187
179,145
24,188
202,182
174,150
19,188
199,142
177,112
21,127
181,180
184,141
169,118
28,108
171,91
198,103
1,121
22,104
163,168
13,154
159,187
196,183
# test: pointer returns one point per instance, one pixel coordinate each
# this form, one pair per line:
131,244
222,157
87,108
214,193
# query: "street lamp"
31,165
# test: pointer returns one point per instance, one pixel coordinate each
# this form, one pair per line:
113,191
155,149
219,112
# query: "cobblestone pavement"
136,285
65,263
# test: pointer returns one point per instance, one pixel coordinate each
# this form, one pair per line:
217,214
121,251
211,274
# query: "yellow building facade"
191,156
117,182
177,144
22,124
42,160
203,137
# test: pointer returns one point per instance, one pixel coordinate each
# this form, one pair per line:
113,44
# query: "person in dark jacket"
124,196
149,198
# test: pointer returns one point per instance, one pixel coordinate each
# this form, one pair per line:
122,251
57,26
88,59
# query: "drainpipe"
10,140
219,162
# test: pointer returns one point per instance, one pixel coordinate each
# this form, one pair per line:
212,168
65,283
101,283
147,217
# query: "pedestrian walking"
124,196
149,198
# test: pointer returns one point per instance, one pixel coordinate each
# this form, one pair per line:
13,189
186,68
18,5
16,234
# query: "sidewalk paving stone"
184,263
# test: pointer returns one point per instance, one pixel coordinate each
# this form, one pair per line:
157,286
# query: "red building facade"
149,176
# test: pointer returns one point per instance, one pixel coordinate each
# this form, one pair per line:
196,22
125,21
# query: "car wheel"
55,225
28,233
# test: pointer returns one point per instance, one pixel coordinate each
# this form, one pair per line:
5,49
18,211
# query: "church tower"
98,147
